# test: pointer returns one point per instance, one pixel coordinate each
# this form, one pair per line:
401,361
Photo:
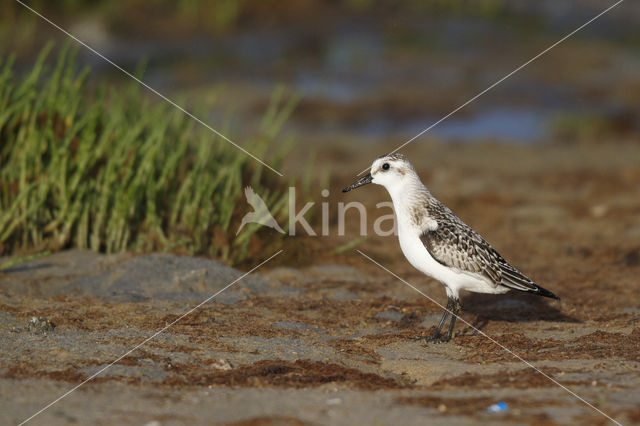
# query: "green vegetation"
581,127
110,170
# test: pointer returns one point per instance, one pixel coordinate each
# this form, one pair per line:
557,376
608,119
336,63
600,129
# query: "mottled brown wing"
455,244
458,248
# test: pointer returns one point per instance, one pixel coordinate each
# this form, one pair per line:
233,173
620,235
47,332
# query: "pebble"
222,364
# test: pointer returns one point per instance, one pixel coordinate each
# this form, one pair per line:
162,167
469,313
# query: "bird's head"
390,171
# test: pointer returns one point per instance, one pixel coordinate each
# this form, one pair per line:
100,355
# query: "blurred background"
367,70
351,80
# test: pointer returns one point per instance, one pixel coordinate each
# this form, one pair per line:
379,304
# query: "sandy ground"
319,338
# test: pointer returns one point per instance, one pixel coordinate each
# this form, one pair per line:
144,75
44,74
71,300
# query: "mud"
323,338
278,373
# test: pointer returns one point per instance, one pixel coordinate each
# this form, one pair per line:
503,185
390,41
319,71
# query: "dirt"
270,421
279,373
323,338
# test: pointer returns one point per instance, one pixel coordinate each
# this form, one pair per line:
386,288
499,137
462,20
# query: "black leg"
454,315
453,307
435,337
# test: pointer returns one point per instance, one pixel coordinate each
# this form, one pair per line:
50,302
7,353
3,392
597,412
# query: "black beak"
365,180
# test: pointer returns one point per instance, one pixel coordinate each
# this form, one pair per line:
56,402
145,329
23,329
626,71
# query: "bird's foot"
437,338
430,338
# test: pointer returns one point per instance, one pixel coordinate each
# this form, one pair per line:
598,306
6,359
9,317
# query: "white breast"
454,280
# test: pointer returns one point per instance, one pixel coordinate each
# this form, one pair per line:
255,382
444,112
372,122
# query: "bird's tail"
516,280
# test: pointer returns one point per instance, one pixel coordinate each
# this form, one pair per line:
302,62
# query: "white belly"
453,279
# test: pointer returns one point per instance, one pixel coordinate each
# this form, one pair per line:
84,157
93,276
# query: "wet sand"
321,338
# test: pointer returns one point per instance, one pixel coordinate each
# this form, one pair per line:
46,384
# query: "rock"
168,277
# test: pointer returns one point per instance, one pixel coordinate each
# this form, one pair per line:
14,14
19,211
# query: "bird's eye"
385,166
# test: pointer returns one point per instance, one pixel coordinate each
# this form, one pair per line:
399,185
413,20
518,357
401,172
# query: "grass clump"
109,170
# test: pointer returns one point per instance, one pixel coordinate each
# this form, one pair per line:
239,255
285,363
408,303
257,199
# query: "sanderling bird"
439,244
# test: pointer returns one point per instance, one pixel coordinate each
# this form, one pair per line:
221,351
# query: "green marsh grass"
109,169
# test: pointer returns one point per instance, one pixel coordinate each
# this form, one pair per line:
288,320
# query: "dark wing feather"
454,244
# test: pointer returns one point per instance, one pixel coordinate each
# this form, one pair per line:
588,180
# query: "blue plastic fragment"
498,408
